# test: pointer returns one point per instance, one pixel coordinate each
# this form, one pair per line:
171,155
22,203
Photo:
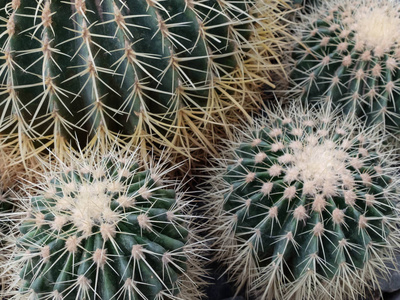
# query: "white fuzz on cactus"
106,228
303,206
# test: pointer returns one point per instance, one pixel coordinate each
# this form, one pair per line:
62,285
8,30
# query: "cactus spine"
349,55
303,207
143,70
106,229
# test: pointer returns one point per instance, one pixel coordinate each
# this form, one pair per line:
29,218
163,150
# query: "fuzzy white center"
91,201
377,27
320,163
89,207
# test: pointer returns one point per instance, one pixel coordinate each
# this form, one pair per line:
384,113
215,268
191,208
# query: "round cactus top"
306,199
106,227
91,197
309,156
374,23
349,55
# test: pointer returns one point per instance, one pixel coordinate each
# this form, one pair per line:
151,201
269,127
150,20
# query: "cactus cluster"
148,72
304,207
301,206
106,228
349,54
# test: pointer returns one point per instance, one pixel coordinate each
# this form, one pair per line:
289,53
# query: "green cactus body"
141,70
349,54
106,230
305,208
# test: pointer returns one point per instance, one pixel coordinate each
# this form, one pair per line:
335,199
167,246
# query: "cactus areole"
306,204
138,69
349,54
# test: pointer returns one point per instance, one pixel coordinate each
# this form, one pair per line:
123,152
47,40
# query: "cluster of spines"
106,229
305,208
12,174
146,70
349,56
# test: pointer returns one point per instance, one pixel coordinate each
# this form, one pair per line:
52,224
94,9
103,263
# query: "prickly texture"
303,207
106,229
349,54
13,173
7,246
143,71
6,182
306,4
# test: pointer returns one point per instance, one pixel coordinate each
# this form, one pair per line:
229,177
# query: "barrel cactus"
304,207
143,72
349,55
106,228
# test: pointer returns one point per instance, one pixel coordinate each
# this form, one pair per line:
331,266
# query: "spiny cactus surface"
105,229
146,71
349,54
307,4
13,173
4,202
303,208
10,174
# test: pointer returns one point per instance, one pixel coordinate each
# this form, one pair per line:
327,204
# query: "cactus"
304,207
147,72
106,229
349,55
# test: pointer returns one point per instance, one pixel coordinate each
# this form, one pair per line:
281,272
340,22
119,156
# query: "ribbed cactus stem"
106,227
304,206
147,72
349,55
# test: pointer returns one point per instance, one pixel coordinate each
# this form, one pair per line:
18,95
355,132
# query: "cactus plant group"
106,228
304,207
349,55
150,73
